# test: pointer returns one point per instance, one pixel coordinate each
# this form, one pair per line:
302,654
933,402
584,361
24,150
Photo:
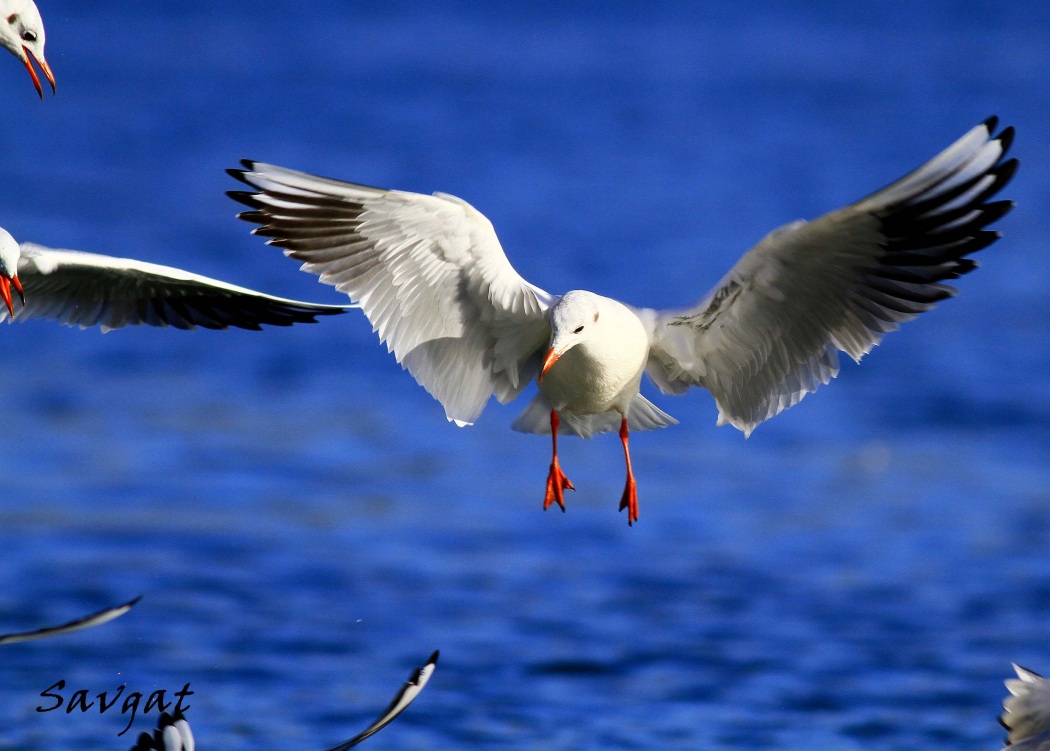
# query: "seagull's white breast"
602,372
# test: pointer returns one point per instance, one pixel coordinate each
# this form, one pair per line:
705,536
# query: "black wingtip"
991,123
434,657
1007,170
335,310
994,211
239,174
1006,138
244,197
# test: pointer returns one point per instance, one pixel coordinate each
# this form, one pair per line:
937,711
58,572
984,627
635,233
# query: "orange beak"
5,291
548,362
32,73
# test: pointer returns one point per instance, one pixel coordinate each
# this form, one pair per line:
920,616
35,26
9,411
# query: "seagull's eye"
28,36
578,330
12,18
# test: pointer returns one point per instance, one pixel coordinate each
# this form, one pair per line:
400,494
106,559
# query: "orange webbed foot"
629,501
557,484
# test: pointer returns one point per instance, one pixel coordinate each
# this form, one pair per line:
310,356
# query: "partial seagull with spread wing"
1026,711
432,278
88,289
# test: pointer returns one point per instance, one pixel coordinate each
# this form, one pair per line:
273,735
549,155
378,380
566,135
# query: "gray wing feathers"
427,271
769,332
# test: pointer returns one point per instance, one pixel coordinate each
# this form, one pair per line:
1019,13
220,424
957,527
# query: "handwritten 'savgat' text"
79,700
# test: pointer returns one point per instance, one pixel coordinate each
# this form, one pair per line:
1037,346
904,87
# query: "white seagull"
430,275
87,289
22,32
1026,711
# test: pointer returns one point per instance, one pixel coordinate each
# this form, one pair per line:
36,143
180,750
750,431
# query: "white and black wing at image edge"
83,289
88,621
408,693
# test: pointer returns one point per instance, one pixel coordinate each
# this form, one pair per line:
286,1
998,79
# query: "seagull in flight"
430,275
87,289
22,33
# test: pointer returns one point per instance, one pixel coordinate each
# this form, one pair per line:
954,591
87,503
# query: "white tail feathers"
643,415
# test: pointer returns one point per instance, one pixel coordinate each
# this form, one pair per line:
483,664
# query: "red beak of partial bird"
29,59
6,282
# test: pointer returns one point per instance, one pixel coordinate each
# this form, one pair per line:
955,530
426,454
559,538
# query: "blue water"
306,527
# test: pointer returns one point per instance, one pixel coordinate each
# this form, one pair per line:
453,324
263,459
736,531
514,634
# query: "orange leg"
557,482
629,500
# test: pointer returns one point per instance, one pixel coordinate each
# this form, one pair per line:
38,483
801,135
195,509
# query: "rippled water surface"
304,525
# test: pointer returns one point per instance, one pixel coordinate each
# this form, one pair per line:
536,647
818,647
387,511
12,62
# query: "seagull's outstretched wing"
769,332
1026,711
87,289
428,272
408,693
88,621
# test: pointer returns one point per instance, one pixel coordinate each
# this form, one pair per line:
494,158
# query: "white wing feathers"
87,289
1026,711
428,272
769,332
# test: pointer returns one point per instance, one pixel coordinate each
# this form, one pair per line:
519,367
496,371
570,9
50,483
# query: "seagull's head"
573,320
22,32
9,255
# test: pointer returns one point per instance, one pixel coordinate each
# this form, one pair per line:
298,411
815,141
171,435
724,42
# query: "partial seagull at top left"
22,32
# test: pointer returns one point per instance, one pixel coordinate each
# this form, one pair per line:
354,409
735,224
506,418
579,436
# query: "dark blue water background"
306,527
